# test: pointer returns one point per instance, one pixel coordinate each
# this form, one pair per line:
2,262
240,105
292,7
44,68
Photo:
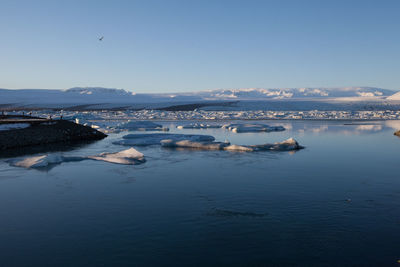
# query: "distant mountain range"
98,94
111,96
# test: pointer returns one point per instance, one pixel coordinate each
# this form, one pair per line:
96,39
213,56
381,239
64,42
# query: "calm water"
335,203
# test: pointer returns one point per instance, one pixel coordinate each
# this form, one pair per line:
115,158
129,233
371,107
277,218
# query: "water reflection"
334,203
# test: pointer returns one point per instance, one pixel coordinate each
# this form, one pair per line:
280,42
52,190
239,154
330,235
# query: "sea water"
334,203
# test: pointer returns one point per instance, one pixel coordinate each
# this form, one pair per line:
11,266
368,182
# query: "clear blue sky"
165,46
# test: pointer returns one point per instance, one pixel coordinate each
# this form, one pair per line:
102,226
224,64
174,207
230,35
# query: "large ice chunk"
129,156
194,145
198,126
155,139
287,145
239,148
142,126
248,128
42,161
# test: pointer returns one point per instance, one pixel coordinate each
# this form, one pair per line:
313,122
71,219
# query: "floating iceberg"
287,145
249,128
194,145
142,126
239,148
129,156
42,161
155,139
198,126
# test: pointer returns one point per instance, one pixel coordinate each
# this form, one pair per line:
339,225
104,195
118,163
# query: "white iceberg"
155,139
142,126
129,157
42,161
287,145
249,128
239,148
194,145
198,126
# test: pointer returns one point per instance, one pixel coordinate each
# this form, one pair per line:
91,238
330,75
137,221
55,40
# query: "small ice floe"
13,126
198,126
155,139
129,157
142,126
252,128
239,148
194,145
42,161
287,145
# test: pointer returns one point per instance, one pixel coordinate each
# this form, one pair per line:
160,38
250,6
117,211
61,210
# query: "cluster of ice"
109,121
128,157
142,126
248,128
155,138
13,126
198,126
287,145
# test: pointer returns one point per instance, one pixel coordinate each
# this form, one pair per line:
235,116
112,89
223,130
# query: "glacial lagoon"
334,203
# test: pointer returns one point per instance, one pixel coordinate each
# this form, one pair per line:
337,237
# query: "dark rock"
397,133
48,132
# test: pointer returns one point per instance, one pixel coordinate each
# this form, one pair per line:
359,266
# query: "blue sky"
173,46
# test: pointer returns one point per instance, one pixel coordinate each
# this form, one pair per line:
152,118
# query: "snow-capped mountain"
394,97
99,95
288,93
98,91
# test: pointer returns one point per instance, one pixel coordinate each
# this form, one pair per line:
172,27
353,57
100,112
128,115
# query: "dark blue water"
335,203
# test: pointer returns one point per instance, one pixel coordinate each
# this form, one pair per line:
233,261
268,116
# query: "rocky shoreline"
397,133
47,132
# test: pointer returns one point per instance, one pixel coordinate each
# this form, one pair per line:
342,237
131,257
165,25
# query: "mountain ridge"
90,95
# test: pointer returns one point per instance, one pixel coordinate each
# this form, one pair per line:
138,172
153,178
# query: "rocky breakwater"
41,132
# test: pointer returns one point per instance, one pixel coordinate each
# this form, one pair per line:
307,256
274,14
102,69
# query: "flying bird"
101,38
